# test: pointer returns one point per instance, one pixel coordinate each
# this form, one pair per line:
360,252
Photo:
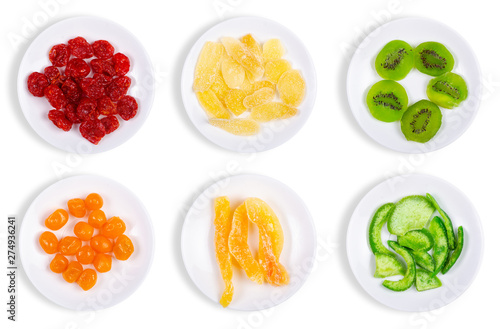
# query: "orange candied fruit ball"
97,218
59,264
113,228
48,242
69,245
123,248
101,244
77,208
87,279
102,263
72,272
84,231
57,219
93,201
85,255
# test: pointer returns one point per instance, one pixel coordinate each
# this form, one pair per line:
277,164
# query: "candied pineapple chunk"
207,66
232,72
240,127
212,105
291,88
220,88
273,49
261,96
274,69
234,101
272,111
241,54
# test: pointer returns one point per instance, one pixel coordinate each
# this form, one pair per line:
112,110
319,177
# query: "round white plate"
362,75
273,133
461,212
198,251
111,287
36,58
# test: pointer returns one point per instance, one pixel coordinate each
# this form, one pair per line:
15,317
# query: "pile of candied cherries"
87,85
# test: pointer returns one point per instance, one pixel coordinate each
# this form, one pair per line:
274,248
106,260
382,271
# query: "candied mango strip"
273,49
220,88
232,72
274,69
241,54
238,245
207,65
234,101
212,105
270,240
240,127
254,46
292,88
272,111
261,96
222,223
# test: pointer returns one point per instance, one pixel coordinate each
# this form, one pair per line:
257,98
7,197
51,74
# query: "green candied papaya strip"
418,240
424,260
426,280
387,265
447,222
456,253
375,230
441,248
410,213
409,277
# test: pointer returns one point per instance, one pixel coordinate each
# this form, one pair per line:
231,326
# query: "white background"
330,163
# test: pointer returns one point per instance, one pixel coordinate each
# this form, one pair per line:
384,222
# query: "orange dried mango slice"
273,49
207,65
240,127
222,223
292,88
234,101
232,72
238,245
259,97
212,105
241,54
271,240
220,88
274,69
272,111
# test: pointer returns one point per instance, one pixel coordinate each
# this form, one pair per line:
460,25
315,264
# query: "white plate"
273,133
198,251
111,287
36,58
362,75
461,212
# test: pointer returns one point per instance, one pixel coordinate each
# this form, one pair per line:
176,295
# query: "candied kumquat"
93,201
72,272
57,219
97,218
85,255
84,231
123,248
77,208
87,279
59,264
102,263
113,228
69,245
48,242
101,244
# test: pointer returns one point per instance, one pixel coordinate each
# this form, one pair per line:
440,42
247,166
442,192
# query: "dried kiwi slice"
387,101
447,90
395,60
421,121
433,58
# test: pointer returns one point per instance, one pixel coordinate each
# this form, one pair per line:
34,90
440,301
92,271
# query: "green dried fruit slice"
375,230
387,101
418,240
458,250
387,265
441,249
409,277
433,58
426,280
421,121
410,213
447,90
424,260
395,60
446,221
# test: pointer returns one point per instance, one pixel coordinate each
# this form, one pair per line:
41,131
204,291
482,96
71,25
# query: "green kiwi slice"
433,58
447,90
387,101
395,60
421,121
